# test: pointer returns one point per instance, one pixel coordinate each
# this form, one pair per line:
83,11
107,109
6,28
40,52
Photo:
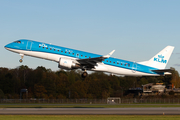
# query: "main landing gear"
84,74
21,60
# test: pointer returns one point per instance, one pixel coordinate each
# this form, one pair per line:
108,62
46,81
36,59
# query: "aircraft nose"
8,46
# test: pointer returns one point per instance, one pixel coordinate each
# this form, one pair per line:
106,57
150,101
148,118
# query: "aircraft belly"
100,67
127,72
47,56
30,53
37,54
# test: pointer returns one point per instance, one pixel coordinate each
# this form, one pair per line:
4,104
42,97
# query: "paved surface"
90,111
31,104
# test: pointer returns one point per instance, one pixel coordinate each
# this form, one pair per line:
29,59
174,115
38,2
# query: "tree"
143,81
40,91
44,83
1,94
175,79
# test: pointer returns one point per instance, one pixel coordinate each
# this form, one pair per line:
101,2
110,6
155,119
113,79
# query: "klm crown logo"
160,56
160,59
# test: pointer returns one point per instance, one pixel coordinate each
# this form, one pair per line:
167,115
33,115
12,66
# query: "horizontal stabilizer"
163,70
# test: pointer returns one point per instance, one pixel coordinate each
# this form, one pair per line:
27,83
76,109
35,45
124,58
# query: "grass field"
85,105
89,117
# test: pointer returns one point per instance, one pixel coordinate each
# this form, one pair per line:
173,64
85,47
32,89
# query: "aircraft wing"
91,62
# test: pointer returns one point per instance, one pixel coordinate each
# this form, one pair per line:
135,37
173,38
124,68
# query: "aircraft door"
29,45
134,67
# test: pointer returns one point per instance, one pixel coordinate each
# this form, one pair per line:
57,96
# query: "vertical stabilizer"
161,59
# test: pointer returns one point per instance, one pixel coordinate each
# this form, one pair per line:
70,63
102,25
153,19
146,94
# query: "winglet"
108,55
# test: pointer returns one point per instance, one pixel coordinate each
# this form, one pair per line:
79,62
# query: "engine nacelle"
68,64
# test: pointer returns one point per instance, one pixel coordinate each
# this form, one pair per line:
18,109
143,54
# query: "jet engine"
68,64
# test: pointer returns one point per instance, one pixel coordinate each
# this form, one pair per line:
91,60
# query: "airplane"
70,59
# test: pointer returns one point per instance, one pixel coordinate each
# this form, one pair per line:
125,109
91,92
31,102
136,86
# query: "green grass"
89,117
85,105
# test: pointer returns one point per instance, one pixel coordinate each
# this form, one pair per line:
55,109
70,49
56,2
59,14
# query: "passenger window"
110,61
81,55
61,51
50,48
128,65
58,50
47,48
73,53
107,60
65,52
54,49
114,62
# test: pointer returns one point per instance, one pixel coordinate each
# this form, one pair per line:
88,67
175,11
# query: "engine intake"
68,64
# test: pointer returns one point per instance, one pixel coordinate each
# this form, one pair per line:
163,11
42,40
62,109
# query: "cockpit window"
18,42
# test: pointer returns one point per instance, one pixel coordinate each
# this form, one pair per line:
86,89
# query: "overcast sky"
136,29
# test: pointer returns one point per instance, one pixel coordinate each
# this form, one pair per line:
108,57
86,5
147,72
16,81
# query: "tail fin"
161,59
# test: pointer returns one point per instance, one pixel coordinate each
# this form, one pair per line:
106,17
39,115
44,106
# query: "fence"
57,101
152,101
92,101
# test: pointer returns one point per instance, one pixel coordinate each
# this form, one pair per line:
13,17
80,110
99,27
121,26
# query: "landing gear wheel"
20,60
84,75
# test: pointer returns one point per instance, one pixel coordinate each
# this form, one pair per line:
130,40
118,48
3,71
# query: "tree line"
48,84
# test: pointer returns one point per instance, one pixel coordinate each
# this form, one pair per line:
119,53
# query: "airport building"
155,89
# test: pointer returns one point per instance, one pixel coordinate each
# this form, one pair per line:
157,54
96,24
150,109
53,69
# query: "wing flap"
92,61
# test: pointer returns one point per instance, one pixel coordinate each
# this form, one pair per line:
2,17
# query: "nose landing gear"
21,60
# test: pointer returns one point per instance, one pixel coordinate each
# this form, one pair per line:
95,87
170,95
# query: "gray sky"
136,29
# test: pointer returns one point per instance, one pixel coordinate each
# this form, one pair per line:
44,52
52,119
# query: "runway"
90,111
